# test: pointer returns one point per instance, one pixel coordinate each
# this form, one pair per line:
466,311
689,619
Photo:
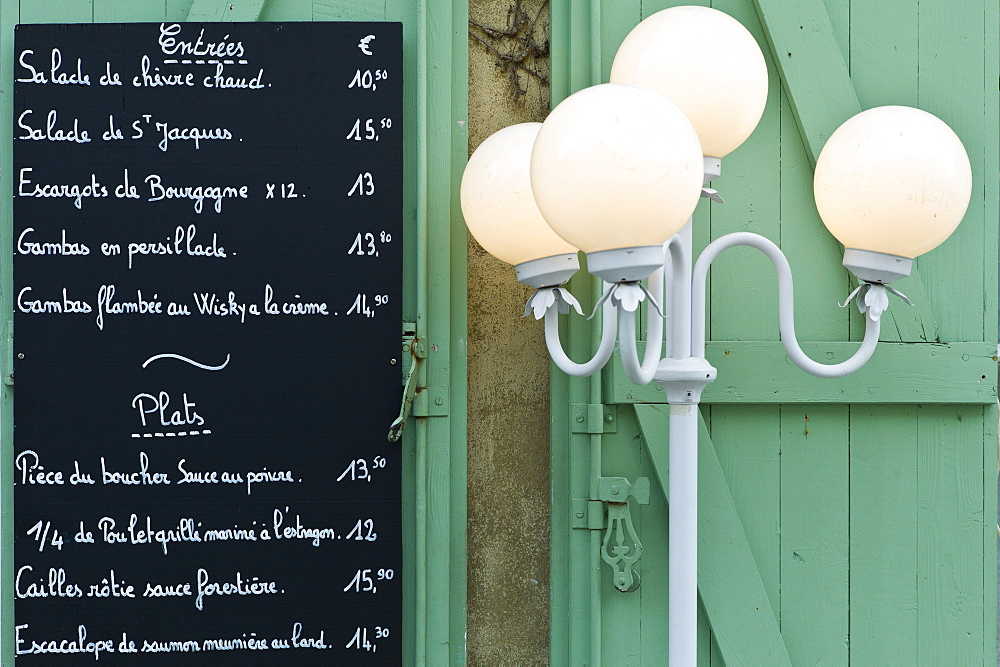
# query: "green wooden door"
433,330
841,521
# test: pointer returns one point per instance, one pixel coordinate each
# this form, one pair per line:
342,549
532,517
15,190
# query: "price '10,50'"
368,79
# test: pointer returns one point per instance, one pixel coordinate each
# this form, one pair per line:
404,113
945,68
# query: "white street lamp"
616,171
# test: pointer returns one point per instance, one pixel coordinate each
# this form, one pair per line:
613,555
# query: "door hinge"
587,514
431,402
593,418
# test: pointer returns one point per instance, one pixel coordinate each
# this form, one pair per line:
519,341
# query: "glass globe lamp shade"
707,63
501,213
617,167
892,181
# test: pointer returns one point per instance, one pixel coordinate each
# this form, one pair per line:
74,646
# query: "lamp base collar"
550,271
625,265
877,267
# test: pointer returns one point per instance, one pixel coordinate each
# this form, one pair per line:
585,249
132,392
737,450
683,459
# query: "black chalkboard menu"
207,282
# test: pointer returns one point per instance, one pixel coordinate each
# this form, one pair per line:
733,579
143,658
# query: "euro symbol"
363,45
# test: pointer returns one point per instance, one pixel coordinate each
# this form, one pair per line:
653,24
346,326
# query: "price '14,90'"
363,306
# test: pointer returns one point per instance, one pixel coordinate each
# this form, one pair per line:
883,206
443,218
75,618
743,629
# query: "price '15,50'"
368,131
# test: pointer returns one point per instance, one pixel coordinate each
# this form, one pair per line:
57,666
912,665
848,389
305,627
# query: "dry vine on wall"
517,46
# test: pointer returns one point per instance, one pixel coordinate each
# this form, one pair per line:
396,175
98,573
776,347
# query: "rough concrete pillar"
508,474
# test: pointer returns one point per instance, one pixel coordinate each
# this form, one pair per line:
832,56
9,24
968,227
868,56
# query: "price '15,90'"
364,580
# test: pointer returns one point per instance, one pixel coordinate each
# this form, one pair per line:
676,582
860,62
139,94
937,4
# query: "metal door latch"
621,548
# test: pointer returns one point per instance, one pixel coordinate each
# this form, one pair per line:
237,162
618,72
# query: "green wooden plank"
950,562
813,253
9,17
884,62
884,68
621,640
55,11
742,280
953,55
815,79
760,372
574,554
126,11
716,659
839,12
654,569
815,606
729,582
991,165
177,10
804,47
747,441
617,20
289,10
225,10
438,44
348,10
884,545
990,529
705,642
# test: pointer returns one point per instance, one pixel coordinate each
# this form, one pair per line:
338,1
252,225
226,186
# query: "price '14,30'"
360,639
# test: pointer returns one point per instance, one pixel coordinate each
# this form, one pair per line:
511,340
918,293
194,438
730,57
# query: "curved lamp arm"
786,308
641,374
604,350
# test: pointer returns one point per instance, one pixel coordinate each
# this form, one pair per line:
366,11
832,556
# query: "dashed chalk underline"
171,434
174,61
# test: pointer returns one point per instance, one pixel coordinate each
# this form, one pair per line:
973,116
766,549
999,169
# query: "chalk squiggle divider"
185,359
